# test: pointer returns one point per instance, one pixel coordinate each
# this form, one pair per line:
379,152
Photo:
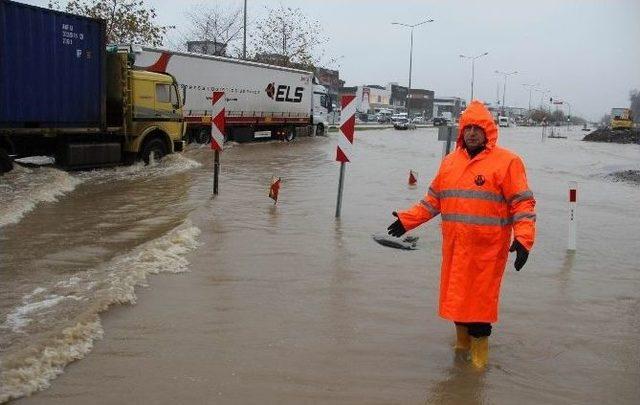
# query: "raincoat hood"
477,114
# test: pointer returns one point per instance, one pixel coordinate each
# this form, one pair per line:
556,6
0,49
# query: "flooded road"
284,304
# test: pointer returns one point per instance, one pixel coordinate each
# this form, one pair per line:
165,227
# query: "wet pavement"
285,304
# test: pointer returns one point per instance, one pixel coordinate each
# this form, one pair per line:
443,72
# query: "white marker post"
344,151
217,133
573,197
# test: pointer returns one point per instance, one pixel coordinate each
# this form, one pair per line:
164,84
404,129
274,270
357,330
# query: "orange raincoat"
482,201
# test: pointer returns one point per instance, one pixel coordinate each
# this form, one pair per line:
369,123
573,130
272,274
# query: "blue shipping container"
52,68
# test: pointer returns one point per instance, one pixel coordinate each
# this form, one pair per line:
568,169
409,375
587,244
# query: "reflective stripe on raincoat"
482,201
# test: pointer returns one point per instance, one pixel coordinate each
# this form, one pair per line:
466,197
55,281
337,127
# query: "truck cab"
321,109
156,113
147,109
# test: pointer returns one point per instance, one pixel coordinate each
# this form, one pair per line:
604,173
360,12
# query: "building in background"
398,98
377,97
420,103
448,107
331,80
372,98
513,112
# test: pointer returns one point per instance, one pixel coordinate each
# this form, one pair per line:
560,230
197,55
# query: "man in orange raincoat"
482,195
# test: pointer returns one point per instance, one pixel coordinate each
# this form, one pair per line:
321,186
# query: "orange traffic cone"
274,189
413,178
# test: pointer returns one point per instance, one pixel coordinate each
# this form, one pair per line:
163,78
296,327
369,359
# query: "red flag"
274,189
413,178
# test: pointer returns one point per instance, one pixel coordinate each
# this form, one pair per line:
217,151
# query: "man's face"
474,137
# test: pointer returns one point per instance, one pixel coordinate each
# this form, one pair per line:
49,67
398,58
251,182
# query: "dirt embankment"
616,136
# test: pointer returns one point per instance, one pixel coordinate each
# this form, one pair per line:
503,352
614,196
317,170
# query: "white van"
503,121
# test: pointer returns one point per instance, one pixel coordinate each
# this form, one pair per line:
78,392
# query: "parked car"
404,123
439,121
419,120
399,117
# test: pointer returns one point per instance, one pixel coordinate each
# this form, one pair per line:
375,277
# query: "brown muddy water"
284,304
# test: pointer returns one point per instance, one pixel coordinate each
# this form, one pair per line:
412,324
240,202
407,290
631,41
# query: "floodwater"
285,304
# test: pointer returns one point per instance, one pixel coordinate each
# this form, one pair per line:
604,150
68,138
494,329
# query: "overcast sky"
585,51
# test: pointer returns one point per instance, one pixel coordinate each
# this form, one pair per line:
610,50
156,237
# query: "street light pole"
473,68
531,87
473,71
244,40
411,27
504,89
410,61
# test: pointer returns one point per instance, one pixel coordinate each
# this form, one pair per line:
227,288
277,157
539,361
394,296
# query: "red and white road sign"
274,189
217,122
344,152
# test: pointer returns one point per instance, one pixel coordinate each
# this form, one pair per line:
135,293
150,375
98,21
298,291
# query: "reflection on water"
461,384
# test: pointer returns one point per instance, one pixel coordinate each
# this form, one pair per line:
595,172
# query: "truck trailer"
64,94
262,101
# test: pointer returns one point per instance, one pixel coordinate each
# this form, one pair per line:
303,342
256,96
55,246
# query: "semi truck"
63,93
261,101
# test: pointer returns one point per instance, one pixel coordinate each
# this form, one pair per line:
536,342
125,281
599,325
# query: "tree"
634,97
128,21
540,116
214,24
287,37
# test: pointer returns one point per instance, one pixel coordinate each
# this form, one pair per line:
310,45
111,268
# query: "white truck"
262,101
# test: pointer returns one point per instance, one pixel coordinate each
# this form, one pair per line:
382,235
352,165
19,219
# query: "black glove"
396,229
522,254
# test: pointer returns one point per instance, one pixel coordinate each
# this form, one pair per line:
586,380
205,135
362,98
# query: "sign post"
217,133
447,134
344,151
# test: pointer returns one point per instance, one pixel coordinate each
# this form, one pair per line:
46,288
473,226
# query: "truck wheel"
320,130
203,136
290,134
154,147
6,164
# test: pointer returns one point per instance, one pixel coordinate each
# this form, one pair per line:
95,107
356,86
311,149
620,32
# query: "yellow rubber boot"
463,340
480,351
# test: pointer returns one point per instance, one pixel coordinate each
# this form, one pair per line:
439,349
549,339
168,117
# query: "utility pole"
473,68
284,38
531,87
244,40
411,27
504,89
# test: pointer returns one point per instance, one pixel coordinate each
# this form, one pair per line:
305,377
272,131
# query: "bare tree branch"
287,32
215,24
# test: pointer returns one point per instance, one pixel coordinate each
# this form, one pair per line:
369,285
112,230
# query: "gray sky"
585,51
